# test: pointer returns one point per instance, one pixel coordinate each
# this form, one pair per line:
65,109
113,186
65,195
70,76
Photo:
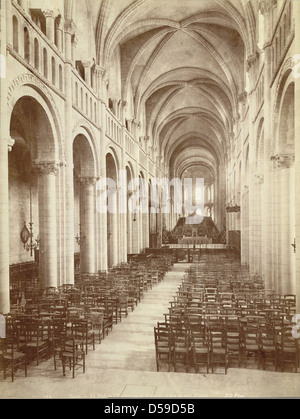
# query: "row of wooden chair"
65,322
254,323
193,348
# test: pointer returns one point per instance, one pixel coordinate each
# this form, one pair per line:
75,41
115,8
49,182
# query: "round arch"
88,148
29,88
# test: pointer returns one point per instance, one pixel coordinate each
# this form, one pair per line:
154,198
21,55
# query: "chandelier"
29,242
79,237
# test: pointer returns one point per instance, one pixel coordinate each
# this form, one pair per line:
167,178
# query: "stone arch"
31,114
27,85
285,79
285,140
116,158
91,162
85,177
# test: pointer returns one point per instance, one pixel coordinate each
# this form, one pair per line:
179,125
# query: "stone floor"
123,366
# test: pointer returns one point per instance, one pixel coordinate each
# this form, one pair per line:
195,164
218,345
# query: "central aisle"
130,345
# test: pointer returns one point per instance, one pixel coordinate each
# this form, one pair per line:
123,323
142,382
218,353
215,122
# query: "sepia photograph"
150,202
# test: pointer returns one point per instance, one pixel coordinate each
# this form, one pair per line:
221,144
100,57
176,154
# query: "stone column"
69,182
286,257
5,146
87,222
59,36
122,192
50,24
47,172
112,234
129,226
102,217
296,8
87,71
267,194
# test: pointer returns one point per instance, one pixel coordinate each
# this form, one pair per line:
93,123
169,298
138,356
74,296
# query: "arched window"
76,93
36,54
53,68
60,78
15,34
26,45
91,108
81,98
86,104
57,34
45,62
95,112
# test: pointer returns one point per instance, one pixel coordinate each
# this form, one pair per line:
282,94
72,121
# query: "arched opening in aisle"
131,216
84,203
143,213
112,211
33,171
152,217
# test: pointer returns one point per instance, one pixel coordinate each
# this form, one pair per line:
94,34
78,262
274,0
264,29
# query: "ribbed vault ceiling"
184,62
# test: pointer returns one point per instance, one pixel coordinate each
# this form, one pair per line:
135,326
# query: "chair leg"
74,363
12,371
63,366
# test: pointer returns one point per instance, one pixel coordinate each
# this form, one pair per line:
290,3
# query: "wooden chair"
288,349
218,349
164,348
269,348
37,344
11,358
182,352
97,321
73,354
200,348
251,346
82,331
234,346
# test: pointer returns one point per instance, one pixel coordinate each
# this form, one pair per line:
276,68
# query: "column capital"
264,6
46,168
87,64
100,71
136,122
242,97
251,59
50,13
283,161
70,26
88,180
